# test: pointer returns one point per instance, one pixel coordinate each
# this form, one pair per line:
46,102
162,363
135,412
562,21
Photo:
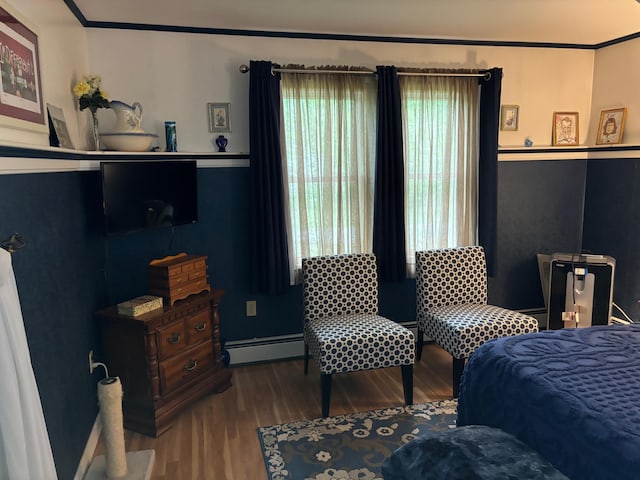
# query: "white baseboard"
272,348
89,449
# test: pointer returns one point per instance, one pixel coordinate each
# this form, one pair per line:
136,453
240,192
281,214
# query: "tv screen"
148,194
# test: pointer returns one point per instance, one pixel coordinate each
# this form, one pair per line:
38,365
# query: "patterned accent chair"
342,329
452,309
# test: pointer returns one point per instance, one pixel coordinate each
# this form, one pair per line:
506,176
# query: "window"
329,162
440,129
329,155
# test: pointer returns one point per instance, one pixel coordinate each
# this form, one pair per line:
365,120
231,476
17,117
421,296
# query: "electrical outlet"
251,308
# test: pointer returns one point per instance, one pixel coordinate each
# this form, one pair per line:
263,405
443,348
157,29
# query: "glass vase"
94,130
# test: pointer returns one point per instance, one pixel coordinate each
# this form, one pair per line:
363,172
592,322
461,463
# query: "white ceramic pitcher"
128,117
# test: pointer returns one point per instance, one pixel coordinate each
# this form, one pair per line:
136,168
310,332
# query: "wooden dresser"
166,359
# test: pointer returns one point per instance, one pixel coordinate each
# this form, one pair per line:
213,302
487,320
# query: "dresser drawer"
186,366
198,327
197,274
174,281
171,340
178,265
181,291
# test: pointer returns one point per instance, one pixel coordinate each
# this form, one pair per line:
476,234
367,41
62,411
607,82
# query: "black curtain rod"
486,75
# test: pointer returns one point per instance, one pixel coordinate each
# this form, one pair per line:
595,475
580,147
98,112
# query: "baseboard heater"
242,352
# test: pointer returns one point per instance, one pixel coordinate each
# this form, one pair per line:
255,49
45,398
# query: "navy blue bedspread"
573,395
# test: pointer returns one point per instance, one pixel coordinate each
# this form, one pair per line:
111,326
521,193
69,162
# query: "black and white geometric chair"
342,329
451,305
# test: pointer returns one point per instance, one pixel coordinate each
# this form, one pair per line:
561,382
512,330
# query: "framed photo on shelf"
611,126
565,128
59,126
219,117
21,104
509,117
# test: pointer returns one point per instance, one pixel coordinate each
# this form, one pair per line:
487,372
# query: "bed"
573,395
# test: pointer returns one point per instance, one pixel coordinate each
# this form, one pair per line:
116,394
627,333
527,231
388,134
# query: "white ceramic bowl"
127,142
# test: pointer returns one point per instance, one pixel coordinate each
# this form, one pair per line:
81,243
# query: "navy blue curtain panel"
488,167
268,244
388,217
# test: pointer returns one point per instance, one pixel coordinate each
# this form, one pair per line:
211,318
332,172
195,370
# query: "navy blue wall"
540,211
69,269
222,234
540,205
59,274
612,224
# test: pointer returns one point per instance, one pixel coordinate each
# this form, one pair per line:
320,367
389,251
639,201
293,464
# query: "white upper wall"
174,75
63,58
615,84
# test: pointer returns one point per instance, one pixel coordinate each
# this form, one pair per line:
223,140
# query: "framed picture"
21,104
509,117
565,128
59,126
219,117
611,126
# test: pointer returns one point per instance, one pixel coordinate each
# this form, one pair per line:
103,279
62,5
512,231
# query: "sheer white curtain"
25,452
329,160
440,126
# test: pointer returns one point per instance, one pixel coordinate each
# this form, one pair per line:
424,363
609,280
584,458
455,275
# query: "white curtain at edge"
440,128
25,452
328,163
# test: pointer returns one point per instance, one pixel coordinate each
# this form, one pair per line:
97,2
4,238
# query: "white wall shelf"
20,159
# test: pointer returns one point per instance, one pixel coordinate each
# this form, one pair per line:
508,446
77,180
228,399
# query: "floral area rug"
348,447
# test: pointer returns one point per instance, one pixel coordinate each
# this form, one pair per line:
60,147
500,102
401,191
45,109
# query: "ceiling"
584,22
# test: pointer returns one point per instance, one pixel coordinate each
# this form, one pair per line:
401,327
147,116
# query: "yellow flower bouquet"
90,93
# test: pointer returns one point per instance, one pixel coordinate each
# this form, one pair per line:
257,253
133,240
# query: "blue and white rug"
348,447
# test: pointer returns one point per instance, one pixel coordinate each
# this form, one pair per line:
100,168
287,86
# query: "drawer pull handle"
201,326
191,365
173,339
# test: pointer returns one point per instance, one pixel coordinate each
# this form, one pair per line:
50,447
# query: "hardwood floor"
216,438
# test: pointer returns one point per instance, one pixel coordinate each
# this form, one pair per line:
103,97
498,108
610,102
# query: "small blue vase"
221,142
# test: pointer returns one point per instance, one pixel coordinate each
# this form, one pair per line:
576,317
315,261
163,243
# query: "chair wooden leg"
325,386
306,358
458,367
419,344
407,383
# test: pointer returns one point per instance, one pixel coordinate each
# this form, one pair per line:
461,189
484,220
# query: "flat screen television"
140,195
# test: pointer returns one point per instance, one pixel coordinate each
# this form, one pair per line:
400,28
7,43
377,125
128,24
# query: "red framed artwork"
21,104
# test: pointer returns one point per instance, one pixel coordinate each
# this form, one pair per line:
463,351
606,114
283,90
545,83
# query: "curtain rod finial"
244,68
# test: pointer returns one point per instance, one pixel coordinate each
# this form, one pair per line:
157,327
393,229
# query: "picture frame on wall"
59,126
566,128
219,117
611,126
509,117
21,104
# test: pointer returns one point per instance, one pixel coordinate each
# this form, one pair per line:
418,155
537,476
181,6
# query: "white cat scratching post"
116,463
